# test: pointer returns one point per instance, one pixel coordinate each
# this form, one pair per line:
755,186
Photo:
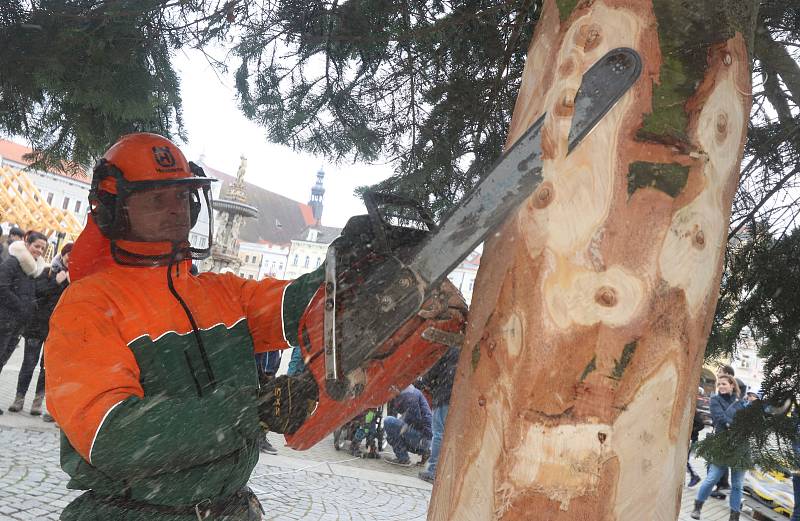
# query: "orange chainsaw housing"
404,357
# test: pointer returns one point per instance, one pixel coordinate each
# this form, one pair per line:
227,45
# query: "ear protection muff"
103,205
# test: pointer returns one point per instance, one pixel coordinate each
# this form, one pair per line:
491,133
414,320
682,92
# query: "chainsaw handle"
373,200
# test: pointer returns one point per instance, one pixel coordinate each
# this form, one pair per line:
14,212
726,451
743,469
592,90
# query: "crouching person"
410,430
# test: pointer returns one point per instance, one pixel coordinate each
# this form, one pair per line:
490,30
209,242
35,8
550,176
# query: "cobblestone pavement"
320,484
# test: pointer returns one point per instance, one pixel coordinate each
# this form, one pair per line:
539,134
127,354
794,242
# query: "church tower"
317,193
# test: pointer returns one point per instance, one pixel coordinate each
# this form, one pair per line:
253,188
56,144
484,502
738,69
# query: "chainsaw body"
350,377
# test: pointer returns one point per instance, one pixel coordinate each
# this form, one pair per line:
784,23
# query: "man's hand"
61,276
286,401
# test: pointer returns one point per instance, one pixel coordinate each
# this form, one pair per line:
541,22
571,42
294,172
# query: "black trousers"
9,339
33,348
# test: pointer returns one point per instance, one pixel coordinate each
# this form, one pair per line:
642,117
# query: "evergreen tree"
428,84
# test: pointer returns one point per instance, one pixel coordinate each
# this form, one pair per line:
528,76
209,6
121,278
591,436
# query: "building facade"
463,276
59,190
307,251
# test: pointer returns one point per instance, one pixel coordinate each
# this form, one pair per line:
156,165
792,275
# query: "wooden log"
576,386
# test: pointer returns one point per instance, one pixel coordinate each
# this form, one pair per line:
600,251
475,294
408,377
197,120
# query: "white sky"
218,130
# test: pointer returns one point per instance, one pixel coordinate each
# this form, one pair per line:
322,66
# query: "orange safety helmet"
143,161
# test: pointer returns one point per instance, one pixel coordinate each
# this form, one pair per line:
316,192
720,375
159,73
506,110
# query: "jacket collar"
32,267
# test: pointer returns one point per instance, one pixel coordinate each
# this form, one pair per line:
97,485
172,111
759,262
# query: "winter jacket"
18,287
438,381
48,291
723,408
4,253
152,407
414,408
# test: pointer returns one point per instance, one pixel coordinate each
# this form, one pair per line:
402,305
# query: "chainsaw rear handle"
409,353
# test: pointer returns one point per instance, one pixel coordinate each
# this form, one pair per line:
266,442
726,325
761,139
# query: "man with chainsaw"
150,369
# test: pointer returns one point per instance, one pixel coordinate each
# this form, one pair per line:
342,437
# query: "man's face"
65,260
13,238
160,214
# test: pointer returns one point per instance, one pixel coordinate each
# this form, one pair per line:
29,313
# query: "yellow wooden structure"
21,203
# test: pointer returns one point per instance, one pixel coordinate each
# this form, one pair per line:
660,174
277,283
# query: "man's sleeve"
93,392
274,307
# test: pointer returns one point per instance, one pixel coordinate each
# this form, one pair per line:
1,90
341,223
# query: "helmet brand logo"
164,157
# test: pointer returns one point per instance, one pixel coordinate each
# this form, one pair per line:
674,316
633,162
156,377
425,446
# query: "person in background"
296,363
438,382
752,395
697,426
410,430
724,482
267,365
49,287
18,290
14,235
796,473
724,406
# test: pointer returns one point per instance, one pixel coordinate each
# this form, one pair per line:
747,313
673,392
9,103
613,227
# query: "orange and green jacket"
145,413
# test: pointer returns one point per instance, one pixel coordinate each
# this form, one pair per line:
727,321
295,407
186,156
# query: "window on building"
307,260
471,284
296,260
280,267
65,203
77,206
49,198
250,277
319,260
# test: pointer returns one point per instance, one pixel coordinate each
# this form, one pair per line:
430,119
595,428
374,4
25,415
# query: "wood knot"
602,437
588,36
544,195
567,67
722,125
726,59
699,240
481,401
566,106
606,297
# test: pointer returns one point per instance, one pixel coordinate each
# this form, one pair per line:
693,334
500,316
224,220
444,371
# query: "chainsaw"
380,319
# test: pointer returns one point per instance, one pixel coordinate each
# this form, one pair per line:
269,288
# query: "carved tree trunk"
576,387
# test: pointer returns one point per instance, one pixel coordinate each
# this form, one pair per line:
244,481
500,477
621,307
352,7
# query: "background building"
463,277
59,190
263,241
307,250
